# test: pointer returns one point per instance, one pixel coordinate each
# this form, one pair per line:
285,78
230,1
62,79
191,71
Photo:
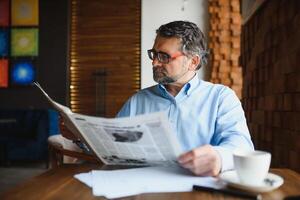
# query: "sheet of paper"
127,182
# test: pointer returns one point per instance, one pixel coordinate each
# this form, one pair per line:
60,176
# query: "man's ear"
195,61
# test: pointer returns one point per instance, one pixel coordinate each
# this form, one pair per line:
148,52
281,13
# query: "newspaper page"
140,140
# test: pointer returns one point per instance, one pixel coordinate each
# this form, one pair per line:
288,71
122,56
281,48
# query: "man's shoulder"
215,87
144,93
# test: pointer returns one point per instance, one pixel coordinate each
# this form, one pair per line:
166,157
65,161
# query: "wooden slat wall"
105,35
270,56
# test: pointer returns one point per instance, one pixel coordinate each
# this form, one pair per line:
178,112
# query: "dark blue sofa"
24,134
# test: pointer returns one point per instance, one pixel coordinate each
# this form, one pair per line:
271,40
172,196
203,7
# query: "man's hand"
202,161
65,132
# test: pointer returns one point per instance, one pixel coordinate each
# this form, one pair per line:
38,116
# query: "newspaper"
140,140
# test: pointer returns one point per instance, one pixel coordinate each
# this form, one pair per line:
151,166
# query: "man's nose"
155,62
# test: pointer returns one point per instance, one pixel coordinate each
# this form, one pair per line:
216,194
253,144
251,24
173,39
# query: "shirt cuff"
226,158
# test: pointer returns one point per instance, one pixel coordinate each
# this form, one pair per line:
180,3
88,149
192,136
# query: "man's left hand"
202,161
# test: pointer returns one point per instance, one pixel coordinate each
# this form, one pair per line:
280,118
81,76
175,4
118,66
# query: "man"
207,118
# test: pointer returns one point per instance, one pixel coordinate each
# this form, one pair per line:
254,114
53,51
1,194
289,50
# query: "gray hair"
193,41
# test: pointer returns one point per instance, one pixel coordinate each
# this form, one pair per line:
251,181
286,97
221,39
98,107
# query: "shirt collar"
192,84
162,89
188,87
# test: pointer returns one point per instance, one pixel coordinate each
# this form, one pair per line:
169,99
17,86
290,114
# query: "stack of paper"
127,182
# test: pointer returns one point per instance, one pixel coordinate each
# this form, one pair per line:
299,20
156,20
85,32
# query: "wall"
52,60
158,12
224,34
271,91
54,39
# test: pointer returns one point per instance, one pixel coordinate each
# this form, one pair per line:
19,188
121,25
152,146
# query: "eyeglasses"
162,56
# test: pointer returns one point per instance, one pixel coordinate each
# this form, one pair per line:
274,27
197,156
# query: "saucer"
271,182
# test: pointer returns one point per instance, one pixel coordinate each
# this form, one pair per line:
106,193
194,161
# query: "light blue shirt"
201,113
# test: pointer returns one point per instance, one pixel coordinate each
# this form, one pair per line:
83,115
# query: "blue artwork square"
22,73
4,42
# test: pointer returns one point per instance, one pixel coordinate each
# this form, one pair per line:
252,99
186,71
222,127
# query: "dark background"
52,62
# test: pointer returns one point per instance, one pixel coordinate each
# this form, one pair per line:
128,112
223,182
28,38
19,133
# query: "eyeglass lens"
161,56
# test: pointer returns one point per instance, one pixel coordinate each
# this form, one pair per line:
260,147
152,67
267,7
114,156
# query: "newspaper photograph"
139,140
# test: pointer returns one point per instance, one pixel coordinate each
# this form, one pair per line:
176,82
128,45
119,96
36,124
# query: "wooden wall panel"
224,37
105,40
270,58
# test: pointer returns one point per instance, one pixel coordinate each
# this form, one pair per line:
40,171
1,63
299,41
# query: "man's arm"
231,132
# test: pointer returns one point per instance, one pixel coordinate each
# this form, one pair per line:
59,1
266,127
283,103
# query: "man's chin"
157,81
164,80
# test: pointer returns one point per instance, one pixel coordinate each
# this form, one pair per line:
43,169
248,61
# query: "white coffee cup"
251,166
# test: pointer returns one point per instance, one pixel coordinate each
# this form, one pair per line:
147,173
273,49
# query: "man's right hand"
202,161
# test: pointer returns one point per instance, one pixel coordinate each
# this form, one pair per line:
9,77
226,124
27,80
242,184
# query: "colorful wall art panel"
3,73
24,12
19,42
24,42
4,42
4,12
22,72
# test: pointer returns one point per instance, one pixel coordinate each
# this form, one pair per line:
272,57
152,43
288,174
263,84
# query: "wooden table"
60,184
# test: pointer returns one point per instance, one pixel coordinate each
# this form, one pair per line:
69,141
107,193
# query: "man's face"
176,68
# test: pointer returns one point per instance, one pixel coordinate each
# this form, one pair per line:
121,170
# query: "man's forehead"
163,42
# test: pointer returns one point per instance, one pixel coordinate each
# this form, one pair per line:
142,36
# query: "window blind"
104,54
